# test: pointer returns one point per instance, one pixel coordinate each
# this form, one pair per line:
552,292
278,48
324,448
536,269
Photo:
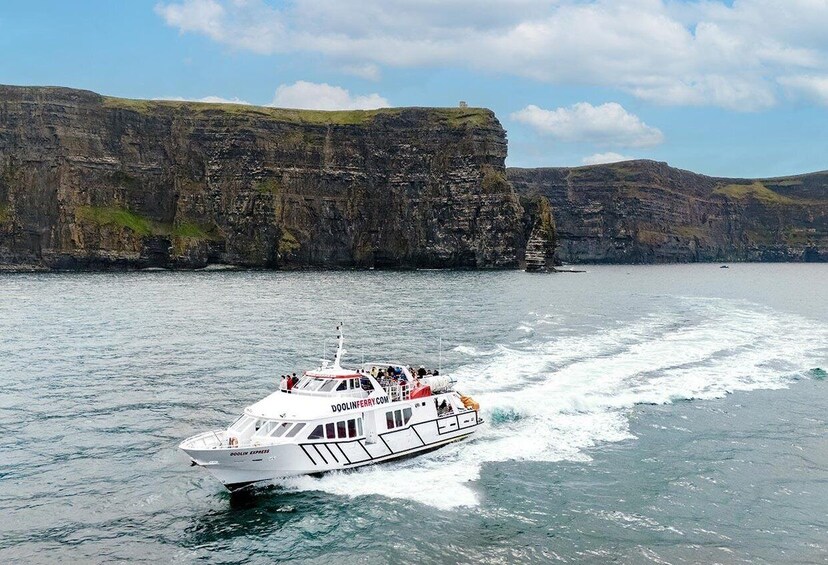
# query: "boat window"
351,428
406,414
359,425
342,386
398,417
316,433
280,429
266,427
389,420
330,433
295,430
242,423
340,429
328,386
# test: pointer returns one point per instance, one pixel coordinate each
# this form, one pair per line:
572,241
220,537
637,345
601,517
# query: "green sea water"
634,414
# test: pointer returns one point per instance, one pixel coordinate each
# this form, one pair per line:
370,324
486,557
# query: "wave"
559,394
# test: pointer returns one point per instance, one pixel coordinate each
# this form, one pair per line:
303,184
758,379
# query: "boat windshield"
322,385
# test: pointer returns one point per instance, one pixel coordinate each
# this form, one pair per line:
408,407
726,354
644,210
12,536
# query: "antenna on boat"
340,350
440,366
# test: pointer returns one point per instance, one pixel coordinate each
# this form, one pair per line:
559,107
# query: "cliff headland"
93,182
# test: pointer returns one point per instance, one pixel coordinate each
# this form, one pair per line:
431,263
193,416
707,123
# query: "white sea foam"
555,396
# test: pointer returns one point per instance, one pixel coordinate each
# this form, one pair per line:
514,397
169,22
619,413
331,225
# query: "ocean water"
665,414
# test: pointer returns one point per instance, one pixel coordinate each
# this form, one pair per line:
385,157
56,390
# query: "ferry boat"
336,418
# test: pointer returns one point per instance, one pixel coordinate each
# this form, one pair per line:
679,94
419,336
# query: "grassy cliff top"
803,189
454,117
450,117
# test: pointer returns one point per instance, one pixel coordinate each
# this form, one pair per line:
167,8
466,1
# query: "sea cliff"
649,212
89,182
93,182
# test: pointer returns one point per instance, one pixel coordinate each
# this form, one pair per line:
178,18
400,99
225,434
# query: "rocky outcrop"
91,182
648,212
539,233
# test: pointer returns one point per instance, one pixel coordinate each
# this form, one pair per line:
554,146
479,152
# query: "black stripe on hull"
407,454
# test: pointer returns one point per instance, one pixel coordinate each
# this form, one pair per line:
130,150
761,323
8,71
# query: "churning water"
644,414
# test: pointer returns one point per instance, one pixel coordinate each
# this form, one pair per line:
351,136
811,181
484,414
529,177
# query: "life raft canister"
421,391
469,403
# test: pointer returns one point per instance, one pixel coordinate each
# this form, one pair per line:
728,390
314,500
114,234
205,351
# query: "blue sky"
724,88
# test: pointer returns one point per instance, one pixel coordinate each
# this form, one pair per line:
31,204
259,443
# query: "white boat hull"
239,467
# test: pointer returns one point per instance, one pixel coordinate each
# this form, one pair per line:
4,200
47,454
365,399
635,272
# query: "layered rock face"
648,212
90,182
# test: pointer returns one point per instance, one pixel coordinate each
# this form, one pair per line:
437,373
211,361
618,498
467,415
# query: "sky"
730,88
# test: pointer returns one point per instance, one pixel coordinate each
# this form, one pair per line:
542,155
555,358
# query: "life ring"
469,403
233,442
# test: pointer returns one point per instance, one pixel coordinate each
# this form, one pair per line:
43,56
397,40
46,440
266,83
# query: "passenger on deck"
436,372
289,383
421,372
443,408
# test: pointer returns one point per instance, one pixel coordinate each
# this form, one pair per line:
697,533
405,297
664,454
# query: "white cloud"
210,99
812,87
706,52
606,124
202,16
601,158
367,71
321,96
246,24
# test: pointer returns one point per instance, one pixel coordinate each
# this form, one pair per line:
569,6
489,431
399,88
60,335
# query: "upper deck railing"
396,391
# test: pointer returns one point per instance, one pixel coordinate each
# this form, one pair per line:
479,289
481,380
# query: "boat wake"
559,393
